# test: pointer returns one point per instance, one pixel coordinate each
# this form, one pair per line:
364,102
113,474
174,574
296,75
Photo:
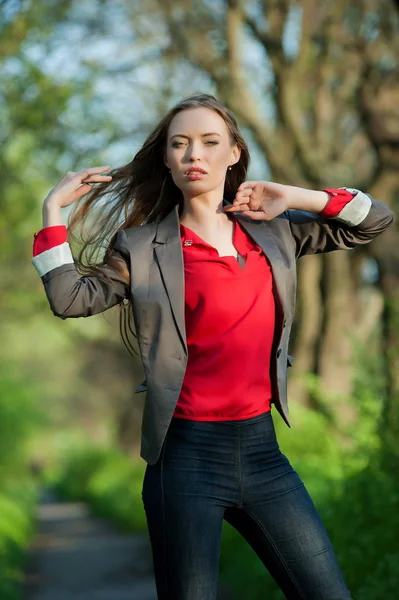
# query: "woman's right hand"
75,185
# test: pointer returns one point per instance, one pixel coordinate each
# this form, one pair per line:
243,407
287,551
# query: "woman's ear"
236,155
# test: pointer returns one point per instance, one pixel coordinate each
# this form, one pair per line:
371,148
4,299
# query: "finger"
256,216
96,169
238,208
92,171
82,190
245,191
247,184
245,196
93,178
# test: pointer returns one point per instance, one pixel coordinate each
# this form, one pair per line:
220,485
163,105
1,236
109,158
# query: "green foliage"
363,523
19,418
108,481
77,469
17,502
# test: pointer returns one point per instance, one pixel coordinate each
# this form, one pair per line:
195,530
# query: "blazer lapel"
169,254
261,232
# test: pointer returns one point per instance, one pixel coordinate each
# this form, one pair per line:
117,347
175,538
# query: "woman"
207,261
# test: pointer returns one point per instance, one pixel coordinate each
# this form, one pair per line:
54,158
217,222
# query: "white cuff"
51,259
356,210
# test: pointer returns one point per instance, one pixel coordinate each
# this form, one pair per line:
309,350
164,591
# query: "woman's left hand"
260,200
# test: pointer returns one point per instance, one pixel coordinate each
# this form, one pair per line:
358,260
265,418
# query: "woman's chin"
193,188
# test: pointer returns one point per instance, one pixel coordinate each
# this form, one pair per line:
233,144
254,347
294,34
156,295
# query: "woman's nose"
193,152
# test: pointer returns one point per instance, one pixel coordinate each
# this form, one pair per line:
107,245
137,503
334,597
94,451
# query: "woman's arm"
72,296
358,222
320,221
68,294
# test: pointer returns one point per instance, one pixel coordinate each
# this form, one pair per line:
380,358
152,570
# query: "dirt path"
76,556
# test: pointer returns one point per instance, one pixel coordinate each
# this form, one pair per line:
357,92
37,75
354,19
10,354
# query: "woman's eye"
179,144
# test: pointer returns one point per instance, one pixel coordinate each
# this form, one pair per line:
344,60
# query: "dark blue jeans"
233,470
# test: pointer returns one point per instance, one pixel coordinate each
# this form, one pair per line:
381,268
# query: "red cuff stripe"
48,237
339,199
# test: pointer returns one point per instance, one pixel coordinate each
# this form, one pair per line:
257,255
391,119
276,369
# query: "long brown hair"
142,191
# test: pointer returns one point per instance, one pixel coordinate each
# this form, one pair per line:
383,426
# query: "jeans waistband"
176,421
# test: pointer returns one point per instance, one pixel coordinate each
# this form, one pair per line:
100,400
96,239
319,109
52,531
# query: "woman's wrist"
309,200
51,213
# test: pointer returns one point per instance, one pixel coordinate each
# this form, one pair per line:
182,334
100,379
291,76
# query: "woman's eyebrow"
186,136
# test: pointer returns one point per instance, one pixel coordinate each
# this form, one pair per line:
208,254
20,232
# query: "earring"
230,168
170,170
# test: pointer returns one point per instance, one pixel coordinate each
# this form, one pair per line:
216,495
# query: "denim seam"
163,519
283,562
285,492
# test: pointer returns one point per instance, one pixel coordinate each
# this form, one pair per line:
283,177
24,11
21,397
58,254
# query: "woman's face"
199,138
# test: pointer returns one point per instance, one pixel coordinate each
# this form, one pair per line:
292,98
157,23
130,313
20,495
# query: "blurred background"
314,85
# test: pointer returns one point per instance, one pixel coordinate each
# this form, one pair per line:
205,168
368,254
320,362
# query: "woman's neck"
204,217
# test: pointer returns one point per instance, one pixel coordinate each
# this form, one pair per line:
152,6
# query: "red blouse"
229,312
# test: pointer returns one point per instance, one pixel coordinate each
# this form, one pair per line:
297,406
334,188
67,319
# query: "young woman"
206,262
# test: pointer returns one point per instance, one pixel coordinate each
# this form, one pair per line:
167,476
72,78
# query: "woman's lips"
194,175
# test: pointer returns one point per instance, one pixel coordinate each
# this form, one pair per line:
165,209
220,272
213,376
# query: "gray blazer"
154,257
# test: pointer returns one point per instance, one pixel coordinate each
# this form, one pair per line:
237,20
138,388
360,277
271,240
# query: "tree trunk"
335,347
307,328
386,252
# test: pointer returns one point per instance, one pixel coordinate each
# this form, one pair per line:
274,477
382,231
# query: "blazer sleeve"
71,296
360,221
